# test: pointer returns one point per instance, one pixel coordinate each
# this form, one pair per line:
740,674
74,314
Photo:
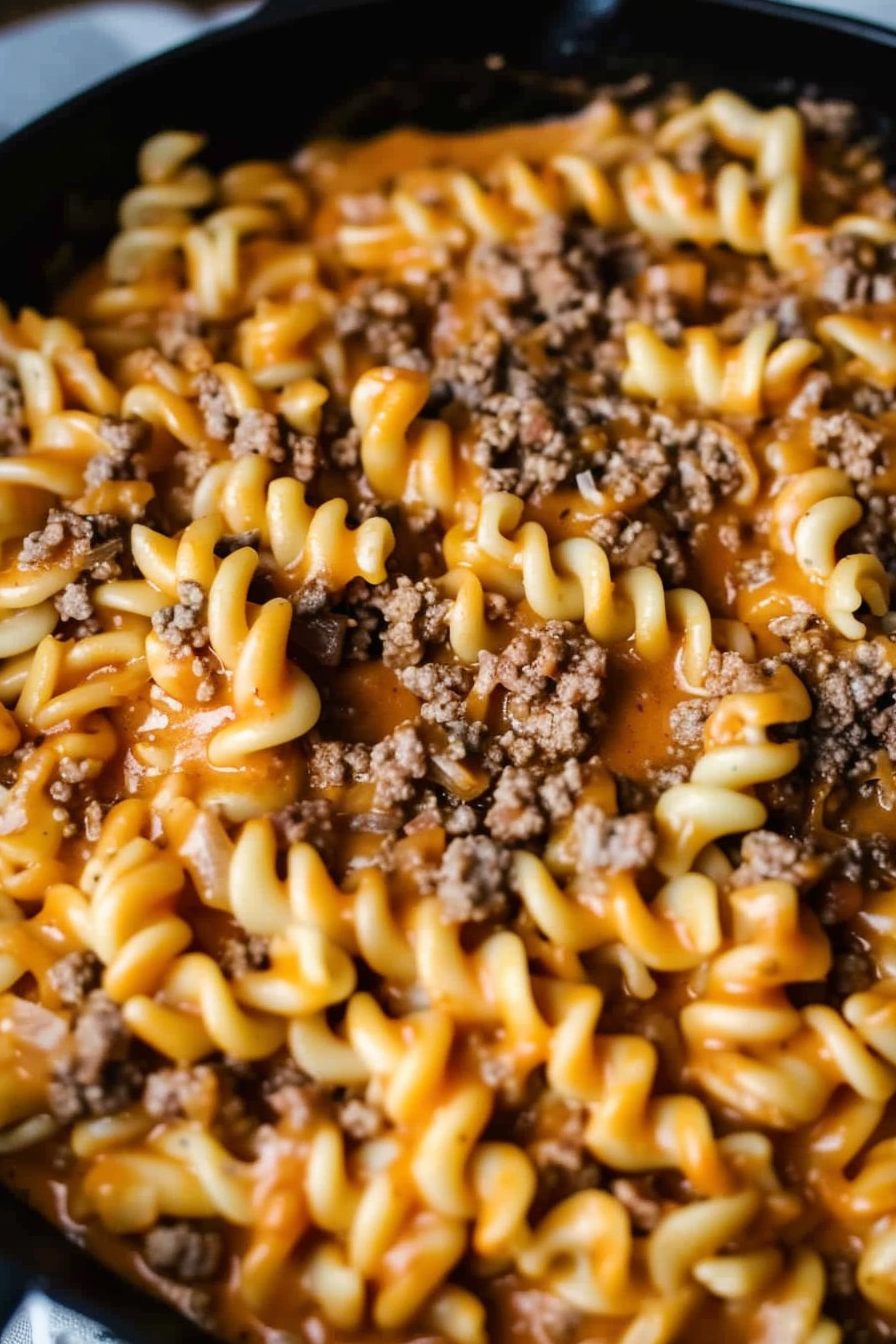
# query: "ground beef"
344,450
829,118
523,808
294,1097
12,414
416,615
855,714
181,1093
469,374
74,976
127,439
553,275
93,820
638,1196
389,320
397,764
178,333
471,881
359,1119
541,1317
630,542
684,468
554,677
96,1076
365,621
72,770
560,790
876,533
515,815
765,855
309,821
521,445
306,456
183,1251
214,406
552,1131
334,764
614,844
855,271
523,414
182,626
852,972
442,690
248,952
727,673
461,820
850,444
79,533
258,432
871,401
73,603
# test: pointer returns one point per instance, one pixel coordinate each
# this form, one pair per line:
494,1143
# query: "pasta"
448,730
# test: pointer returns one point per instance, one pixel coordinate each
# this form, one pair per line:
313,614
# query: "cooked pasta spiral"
307,543
403,458
718,799
274,701
360,920
571,581
811,513
737,379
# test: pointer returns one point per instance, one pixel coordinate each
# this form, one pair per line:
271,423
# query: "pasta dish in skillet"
448,716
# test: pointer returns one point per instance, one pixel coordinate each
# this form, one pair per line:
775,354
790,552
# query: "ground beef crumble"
182,626
75,606
181,1093
390,320
309,821
554,681
92,538
74,976
613,844
333,764
247,952
854,695
416,615
766,855
471,881
522,807
258,432
127,439
12,419
397,765
214,406
184,1251
850,444
97,1076
855,272
442,690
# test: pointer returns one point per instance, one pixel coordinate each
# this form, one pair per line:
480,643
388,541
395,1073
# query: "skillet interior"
260,89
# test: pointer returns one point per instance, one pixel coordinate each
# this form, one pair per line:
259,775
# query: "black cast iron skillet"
358,66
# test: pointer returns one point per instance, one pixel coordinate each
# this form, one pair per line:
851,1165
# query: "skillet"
260,87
